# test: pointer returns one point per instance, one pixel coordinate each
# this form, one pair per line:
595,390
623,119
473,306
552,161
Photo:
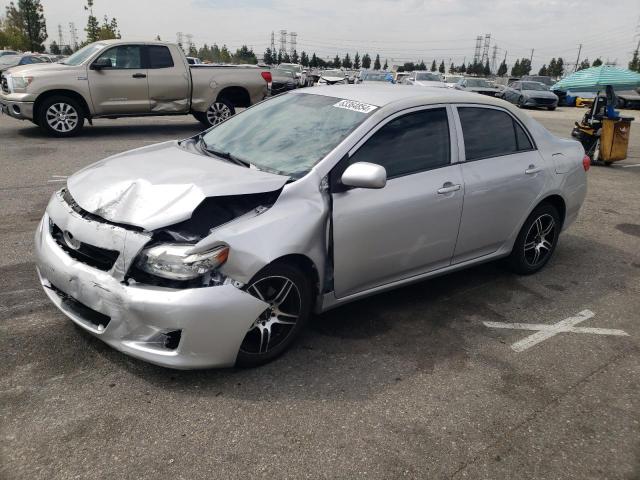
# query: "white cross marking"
544,331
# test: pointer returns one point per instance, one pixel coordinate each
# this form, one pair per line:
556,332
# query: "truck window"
124,57
159,56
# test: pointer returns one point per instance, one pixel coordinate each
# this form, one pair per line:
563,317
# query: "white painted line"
59,180
544,331
59,176
631,166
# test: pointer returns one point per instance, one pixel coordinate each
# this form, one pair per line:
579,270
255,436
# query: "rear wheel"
217,113
288,292
60,116
536,241
520,101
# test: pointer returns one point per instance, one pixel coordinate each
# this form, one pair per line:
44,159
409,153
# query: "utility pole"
531,58
578,59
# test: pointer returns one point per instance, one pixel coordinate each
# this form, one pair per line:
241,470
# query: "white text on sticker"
355,106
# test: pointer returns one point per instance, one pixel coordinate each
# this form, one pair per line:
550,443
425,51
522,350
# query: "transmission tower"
485,50
476,53
273,42
59,35
189,41
73,35
493,58
292,42
283,41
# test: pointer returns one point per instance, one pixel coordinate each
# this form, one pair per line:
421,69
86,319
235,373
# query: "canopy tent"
597,78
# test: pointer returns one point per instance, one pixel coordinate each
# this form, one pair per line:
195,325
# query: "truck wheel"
217,113
60,116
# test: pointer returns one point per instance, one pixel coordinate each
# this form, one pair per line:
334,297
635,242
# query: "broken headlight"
171,260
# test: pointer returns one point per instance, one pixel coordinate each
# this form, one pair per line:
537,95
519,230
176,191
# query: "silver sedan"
215,250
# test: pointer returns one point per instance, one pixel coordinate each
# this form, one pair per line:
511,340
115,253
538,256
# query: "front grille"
95,257
5,84
544,101
81,310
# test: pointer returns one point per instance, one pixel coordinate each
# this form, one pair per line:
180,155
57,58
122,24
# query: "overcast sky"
400,30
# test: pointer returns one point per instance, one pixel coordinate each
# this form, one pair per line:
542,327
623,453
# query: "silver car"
215,250
530,94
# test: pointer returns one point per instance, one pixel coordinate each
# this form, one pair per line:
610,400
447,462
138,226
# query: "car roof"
381,95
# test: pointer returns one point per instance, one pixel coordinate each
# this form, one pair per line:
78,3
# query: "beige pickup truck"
115,78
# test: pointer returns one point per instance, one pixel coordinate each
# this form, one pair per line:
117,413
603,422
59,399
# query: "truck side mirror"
101,63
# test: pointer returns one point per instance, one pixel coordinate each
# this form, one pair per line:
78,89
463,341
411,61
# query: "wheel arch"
238,96
558,203
304,263
63,93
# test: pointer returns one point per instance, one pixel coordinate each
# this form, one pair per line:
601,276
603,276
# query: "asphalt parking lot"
408,384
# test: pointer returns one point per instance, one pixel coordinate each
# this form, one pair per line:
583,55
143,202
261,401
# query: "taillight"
586,162
266,76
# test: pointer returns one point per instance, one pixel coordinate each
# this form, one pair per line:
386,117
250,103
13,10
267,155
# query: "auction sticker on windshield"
355,106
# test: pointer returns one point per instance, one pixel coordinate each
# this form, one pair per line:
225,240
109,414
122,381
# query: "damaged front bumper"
176,328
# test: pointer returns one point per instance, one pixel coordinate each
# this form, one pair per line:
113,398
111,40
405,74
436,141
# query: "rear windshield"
288,134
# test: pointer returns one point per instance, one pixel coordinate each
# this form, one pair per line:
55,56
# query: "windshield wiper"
225,155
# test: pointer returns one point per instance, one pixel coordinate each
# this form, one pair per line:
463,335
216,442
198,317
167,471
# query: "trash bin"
614,139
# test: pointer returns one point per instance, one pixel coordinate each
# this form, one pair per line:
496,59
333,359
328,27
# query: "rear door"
168,80
408,227
504,175
121,88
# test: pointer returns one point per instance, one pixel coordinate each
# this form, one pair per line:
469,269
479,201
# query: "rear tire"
536,241
289,293
60,116
218,112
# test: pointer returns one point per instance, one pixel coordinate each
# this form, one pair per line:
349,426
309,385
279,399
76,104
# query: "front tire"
218,112
536,241
288,291
60,116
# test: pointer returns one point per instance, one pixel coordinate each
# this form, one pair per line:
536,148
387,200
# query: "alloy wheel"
275,324
62,117
539,241
217,113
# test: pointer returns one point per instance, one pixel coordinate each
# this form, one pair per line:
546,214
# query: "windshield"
375,77
283,72
10,59
291,68
332,73
431,77
477,82
287,134
81,55
534,86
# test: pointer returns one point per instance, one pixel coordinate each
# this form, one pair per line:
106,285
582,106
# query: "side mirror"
364,175
101,63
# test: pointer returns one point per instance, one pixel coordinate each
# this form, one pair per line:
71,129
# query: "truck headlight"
170,260
21,83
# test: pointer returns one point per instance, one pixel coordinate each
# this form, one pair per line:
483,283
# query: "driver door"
122,88
410,226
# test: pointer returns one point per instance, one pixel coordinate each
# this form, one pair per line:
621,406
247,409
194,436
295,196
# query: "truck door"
168,81
121,86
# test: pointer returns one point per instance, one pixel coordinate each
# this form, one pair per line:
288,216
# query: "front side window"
408,144
491,133
124,57
160,57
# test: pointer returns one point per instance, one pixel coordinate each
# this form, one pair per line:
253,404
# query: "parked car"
194,61
8,61
628,99
298,71
452,80
215,250
114,78
332,77
367,76
7,52
282,81
399,77
530,94
424,79
477,85
351,75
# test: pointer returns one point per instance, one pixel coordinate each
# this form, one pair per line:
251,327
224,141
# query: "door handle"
139,75
532,169
448,187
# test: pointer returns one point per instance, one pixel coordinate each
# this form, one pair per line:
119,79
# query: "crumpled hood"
160,185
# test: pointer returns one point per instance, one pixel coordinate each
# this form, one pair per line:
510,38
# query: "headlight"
21,83
171,261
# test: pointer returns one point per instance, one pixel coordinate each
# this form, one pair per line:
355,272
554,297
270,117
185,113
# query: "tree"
313,63
634,64
556,67
356,62
93,27
543,71
225,55
487,69
597,62
584,64
434,66
66,50
294,57
244,55
421,66
279,58
408,67
366,61
286,58
107,31
54,48
267,57
386,65
463,68
515,70
25,27
441,68
452,68
376,63
502,69
304,59
193,51
346,61
336,62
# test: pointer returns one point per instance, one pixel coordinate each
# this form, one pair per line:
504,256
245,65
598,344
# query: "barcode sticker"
355,106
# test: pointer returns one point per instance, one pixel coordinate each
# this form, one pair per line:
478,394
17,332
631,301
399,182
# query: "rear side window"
412,143
159,57
491,133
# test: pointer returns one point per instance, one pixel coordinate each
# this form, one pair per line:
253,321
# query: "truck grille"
5,84
95,257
